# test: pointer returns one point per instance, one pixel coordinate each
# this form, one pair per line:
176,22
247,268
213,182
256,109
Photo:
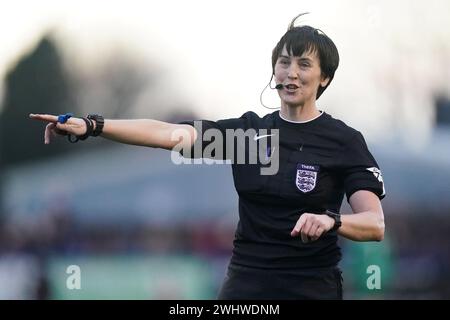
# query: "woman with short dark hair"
285,244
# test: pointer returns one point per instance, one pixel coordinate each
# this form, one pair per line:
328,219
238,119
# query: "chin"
298,101
294,104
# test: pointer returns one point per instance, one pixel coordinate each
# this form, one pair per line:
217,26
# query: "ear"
324,81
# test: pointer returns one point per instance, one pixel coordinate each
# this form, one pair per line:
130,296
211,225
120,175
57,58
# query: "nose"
293,72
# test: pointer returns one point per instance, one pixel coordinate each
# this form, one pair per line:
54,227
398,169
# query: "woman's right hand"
74,126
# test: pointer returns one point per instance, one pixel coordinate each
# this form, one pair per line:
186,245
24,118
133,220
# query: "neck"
299,113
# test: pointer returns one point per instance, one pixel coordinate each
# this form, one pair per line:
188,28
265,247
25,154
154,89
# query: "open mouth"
291,87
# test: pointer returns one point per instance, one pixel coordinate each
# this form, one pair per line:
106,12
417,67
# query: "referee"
285,244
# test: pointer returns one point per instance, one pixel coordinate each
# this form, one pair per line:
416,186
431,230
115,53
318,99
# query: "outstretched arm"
142,132
149,133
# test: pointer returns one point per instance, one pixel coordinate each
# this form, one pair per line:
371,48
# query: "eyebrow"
301,59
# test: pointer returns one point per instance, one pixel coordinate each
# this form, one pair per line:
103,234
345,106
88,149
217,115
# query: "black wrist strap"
72,139
99,123
89,131
337,219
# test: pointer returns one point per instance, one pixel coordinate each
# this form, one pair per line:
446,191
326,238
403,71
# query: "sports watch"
337,219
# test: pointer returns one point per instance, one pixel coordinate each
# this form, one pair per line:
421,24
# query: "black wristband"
337,219
87,134
99,123
89,129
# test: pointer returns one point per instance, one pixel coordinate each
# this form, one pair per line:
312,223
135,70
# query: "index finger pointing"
44,117
298,225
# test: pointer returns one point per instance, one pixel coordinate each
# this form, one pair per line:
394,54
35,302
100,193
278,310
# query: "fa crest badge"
306,177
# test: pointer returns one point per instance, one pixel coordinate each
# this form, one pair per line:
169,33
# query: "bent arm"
367,221
149,133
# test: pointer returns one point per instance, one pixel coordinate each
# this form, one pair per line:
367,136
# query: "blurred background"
141,227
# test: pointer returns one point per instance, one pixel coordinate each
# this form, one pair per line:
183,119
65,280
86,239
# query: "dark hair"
301,39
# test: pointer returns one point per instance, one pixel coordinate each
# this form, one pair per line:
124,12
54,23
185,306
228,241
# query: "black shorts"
243,282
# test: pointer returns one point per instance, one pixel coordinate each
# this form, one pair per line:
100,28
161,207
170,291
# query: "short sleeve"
208,131
360,171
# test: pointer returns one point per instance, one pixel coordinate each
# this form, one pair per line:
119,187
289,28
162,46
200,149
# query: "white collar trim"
291,121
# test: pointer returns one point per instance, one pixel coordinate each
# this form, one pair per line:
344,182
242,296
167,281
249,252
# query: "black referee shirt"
319,161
